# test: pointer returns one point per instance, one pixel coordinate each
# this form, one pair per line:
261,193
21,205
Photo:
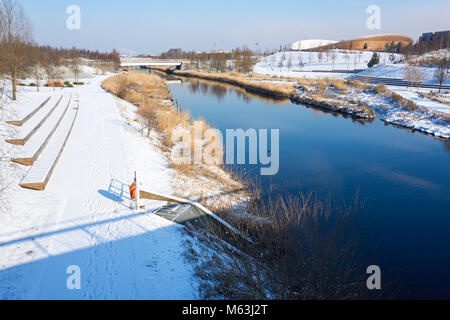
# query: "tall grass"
148,92
380,89
338,84
402,102
301,248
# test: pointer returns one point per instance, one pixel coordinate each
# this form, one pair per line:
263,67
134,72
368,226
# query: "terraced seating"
42,169
34,146
27,111
26,131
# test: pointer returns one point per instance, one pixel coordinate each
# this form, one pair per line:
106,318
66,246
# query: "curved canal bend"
403,177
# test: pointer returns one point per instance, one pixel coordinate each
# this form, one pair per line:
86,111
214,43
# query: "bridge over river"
150,62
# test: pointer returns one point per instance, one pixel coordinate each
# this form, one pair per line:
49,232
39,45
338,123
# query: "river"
403,177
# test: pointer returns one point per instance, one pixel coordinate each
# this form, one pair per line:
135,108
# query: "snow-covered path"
83,219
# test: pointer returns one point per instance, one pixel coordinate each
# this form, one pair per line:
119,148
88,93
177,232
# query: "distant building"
309,44
430,37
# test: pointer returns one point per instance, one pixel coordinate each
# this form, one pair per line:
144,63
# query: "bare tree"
441,73
289,62
75,64
320,56
310,58
300,62
408,75
413,75
51,66
355,59
37,70
333,57
15,31
418,76
148,112
347,58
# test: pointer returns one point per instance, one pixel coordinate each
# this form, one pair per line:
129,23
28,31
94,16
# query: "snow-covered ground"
390,112
303,63
83,217
397,71
423,102
299,64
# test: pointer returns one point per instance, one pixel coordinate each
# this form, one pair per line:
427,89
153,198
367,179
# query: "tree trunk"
13,80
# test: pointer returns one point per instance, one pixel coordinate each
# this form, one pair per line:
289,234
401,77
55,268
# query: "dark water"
404,177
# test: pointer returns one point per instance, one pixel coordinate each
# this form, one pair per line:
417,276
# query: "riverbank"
253,84
288,88
152,112
350,98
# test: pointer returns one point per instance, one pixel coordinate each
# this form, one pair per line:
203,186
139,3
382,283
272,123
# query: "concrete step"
30,127
26,111
34,146
40,173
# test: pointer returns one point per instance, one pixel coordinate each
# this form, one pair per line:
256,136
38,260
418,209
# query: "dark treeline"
63,53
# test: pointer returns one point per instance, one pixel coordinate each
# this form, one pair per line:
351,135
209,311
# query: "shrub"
380,89
410,105
356,84
338,84
66,83
122,87
396,98
79,83
374,61
32,84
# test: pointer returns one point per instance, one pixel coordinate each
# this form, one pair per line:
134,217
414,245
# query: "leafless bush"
123,86
149,116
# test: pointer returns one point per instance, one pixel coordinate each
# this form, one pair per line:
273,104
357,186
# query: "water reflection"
402,176
447,145
220,90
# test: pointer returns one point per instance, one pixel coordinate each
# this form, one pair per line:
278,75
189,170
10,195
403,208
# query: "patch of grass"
396,98
402,102
338,84
356,84
147,92
380,89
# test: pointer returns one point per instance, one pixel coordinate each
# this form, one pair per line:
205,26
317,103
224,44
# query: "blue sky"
154,26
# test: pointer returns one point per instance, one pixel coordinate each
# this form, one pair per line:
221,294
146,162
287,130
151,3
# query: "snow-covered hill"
302,64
